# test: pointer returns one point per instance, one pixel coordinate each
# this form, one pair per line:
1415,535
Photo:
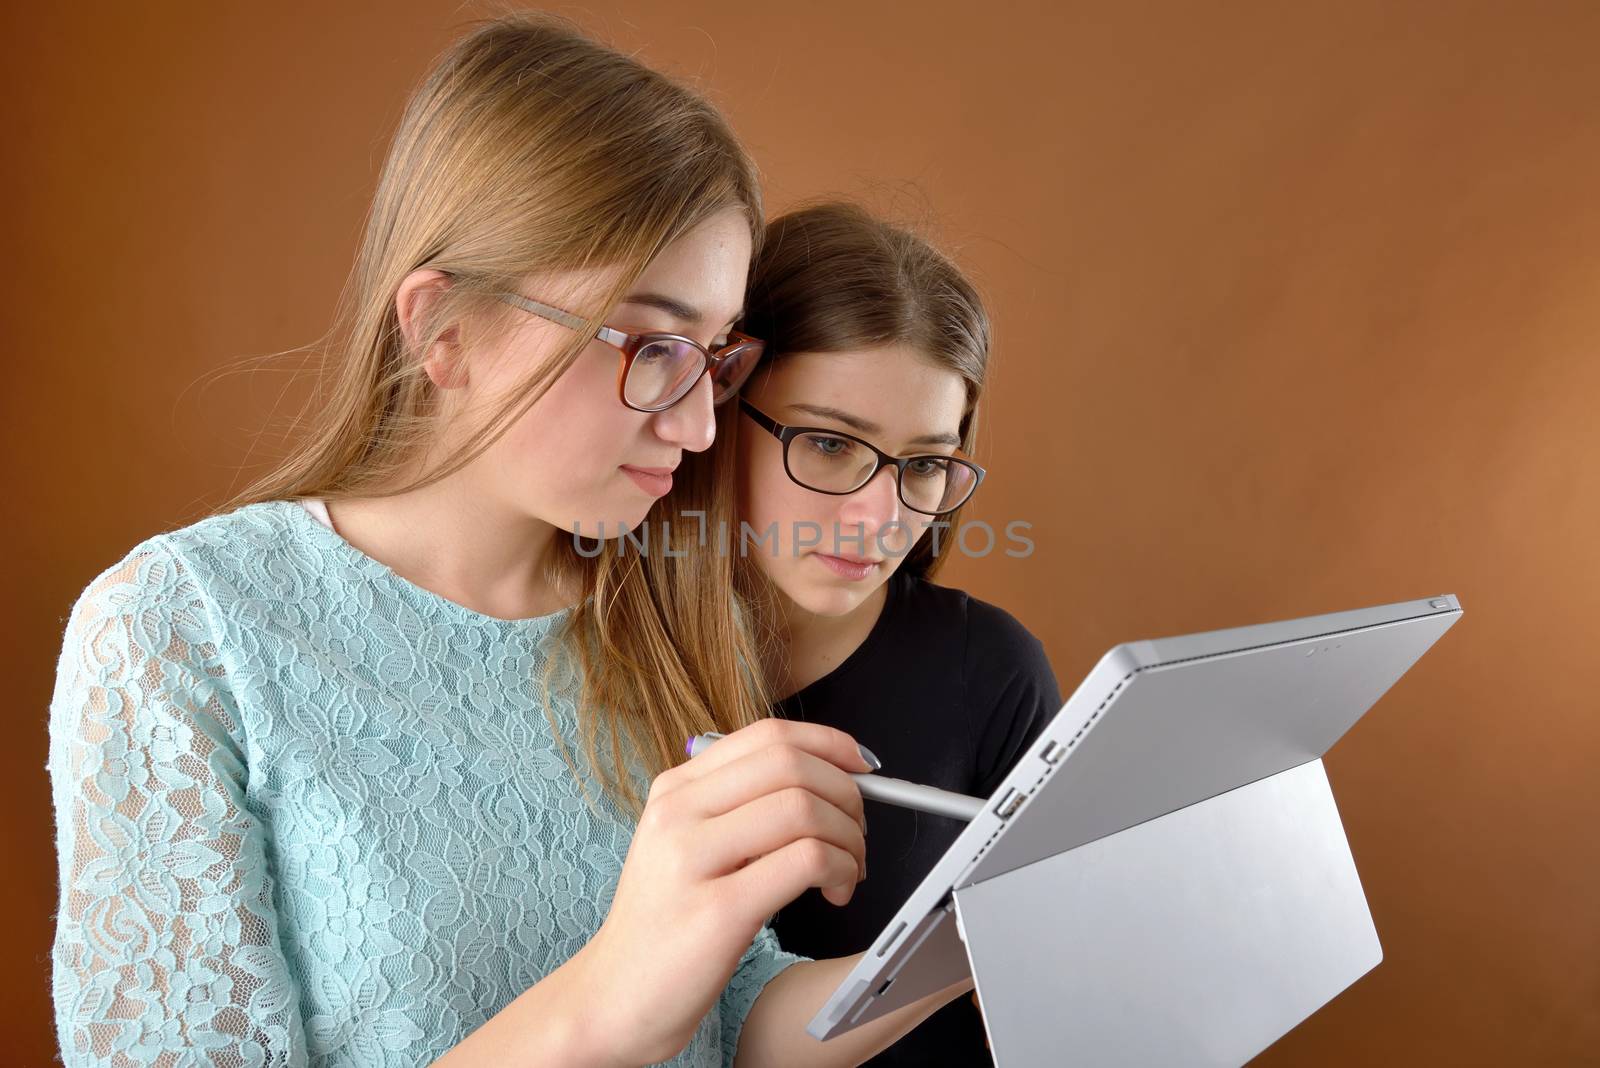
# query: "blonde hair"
531,148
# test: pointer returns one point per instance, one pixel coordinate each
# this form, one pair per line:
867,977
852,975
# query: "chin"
617,522
822,600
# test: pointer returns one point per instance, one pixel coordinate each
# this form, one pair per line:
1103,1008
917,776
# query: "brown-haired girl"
854,460
320,763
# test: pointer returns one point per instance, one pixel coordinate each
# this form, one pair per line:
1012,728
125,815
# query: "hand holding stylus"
723,843
890,791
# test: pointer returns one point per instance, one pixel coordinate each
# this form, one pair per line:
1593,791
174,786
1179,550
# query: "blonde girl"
382,767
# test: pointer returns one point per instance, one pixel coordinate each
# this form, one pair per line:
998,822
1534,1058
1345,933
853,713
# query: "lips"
656,481
854,568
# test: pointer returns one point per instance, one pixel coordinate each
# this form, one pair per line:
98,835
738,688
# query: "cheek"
770,499
573,432
916,531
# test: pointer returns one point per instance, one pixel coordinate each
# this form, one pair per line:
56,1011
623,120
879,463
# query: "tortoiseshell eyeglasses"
659,369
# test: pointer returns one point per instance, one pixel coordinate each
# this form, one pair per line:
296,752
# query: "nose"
873,506
690,424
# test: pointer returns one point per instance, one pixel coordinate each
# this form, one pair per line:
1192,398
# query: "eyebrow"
674,307
855,422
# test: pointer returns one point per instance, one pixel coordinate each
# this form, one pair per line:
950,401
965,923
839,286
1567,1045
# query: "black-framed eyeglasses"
831,461
659,369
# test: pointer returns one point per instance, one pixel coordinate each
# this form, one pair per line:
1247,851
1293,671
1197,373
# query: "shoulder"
171,570
992,632
989,634
1008,689
937,611
144,650
245,533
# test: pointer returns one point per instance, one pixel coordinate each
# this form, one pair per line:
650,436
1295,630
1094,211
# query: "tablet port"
1009,803
887,942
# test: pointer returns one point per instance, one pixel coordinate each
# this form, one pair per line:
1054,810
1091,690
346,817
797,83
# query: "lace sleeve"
166,949
761,962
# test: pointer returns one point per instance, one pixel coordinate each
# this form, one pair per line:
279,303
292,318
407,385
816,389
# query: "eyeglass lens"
665,369
929,484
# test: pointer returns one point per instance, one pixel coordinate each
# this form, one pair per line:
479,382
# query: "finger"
779,877
770,823
834,746
767,771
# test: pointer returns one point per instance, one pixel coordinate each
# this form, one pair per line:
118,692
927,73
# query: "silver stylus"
922,798
891,791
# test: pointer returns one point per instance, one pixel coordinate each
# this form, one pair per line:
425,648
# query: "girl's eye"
655,352
928,467
828,446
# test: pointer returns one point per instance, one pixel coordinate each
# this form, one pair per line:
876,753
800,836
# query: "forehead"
705,268
894,386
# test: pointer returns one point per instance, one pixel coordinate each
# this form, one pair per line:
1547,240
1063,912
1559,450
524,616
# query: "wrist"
595,1033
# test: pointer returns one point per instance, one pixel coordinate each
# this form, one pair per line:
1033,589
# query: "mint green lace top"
309,813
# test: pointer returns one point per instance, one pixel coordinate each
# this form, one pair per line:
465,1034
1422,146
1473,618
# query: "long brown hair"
832,277
530,148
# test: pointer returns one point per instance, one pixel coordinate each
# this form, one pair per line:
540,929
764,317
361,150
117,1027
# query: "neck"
462,545
813,645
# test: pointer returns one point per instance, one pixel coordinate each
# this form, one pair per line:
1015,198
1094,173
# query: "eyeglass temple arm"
762,420
566,319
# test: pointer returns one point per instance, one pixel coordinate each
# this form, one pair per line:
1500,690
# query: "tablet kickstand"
1198,938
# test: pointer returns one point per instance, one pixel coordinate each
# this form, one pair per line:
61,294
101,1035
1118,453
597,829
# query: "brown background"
1296,313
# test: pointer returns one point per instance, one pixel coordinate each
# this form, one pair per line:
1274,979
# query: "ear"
443,363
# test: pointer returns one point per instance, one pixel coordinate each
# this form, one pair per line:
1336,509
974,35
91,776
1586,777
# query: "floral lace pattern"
311,814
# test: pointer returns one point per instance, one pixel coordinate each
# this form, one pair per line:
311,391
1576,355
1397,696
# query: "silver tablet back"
1156,726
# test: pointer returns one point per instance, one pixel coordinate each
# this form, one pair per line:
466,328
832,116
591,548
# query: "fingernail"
872,761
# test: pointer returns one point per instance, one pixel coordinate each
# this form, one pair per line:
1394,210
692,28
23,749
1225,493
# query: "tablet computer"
1155,727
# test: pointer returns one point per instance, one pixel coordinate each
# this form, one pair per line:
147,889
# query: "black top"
947,691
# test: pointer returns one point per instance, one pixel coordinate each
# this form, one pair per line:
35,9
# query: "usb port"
887,942
1053,752
1009,803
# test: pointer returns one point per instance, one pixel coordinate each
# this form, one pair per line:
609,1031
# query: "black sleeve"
1011,692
